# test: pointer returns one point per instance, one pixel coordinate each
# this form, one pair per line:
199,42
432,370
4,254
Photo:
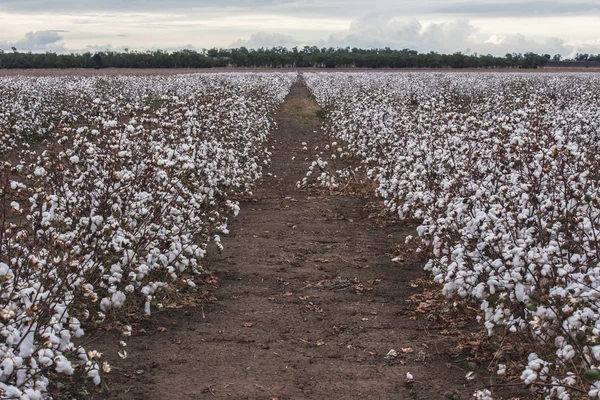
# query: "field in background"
173,71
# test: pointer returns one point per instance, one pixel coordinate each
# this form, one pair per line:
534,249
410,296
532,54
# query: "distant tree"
97,59
276,57
14,49
557,57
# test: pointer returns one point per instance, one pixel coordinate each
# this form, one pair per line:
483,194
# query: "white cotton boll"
528,376
16,206
26,347
126,331
118,299
409,376
483,395
74,159
8,367
147,305
10,392
519,292
63,366
501,369
32,394
105,304
39,171
594,392
93,373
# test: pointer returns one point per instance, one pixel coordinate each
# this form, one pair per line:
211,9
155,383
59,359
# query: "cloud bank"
49,40
267,40
461,35
483,26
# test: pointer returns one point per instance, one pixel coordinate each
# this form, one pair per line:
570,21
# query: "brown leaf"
320,342
161,329
247,324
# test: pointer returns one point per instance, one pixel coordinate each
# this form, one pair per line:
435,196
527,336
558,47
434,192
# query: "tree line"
275,57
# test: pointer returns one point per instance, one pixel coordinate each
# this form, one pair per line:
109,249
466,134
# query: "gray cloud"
267,40
520,9
447,37
378,31
121,6
49,40
323,8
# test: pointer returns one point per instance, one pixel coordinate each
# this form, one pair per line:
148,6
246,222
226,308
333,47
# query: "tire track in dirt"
309,303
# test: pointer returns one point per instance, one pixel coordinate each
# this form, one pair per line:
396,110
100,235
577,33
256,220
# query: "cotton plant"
502,171
129,182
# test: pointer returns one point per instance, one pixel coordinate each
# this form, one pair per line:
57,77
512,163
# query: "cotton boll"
118,299
95,376
105,304
147,305
63,366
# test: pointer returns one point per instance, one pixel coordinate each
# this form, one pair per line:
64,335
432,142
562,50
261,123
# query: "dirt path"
309,303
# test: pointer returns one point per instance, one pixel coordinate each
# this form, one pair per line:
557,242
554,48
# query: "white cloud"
498,36
448,37
49,40
267,40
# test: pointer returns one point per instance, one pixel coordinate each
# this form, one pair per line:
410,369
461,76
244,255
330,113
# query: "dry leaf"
407,350
247,324
320,342
161,329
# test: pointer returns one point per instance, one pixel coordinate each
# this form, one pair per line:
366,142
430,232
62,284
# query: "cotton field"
112,187
502,171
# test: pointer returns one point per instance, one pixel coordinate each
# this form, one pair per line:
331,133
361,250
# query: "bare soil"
307,305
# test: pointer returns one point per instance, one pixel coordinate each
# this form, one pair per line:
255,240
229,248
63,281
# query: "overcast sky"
483,26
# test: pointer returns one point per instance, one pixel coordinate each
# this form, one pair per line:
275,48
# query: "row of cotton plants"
502,170
111,190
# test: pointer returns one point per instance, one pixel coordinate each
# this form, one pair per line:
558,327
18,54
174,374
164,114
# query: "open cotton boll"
63,366
27,346
10,391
